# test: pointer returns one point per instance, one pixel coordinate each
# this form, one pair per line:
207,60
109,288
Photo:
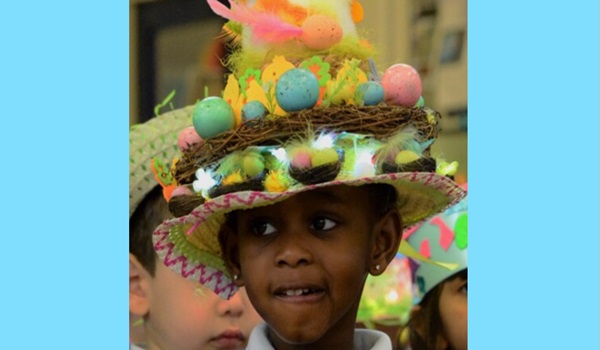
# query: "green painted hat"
442,239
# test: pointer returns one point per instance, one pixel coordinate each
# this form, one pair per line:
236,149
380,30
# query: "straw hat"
157,138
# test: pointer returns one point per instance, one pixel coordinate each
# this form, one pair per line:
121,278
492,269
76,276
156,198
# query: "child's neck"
341,339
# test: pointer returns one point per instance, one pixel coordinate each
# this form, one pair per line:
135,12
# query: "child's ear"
387,235
228,240
139,286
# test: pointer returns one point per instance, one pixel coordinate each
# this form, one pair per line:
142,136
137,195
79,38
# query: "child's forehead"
331,195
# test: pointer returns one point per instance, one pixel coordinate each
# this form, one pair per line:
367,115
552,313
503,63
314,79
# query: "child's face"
453,312
182,316
304,262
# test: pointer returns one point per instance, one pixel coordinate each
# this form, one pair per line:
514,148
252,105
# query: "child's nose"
292,252
234,307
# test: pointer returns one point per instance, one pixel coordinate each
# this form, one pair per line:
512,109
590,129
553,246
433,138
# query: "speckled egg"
371,92
252,110
297,89
212,116
188,137
402,85
320,32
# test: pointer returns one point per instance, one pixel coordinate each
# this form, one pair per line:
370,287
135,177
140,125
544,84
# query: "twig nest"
326,167
320,32
212,116
402,85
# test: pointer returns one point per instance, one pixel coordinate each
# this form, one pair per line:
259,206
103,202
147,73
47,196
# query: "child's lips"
231,339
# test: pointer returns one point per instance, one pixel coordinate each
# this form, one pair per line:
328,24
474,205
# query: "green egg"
405,156
212,116
324,156
253,165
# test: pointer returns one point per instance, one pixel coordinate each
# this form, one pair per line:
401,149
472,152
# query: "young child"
439,320
177,314
304,178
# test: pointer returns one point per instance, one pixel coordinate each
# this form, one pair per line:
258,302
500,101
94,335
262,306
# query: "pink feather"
266,27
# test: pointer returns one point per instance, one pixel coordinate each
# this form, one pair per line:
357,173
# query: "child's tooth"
289,293
299,292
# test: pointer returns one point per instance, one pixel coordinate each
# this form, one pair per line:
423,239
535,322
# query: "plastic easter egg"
181,191
402,85
324,156
252,110
301,159
212,116
188,137
253,166
371,92
406,156
297,89
320,32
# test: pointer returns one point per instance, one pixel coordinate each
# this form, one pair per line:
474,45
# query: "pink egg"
181,191
402,85
320,32
301,160
188,137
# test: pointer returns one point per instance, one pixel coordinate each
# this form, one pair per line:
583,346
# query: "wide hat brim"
189,244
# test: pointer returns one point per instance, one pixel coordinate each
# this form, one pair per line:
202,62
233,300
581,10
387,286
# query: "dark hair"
150,213
425,326
383,198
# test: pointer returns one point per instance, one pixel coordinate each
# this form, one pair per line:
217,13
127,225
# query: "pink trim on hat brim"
218,280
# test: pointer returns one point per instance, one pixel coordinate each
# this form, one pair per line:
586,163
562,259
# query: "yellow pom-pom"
233,179
276,182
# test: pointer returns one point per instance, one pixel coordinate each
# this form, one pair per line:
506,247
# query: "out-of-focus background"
173,46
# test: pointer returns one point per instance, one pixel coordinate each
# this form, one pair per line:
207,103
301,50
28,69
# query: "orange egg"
321,32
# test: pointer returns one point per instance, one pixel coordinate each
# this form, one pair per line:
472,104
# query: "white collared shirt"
364,339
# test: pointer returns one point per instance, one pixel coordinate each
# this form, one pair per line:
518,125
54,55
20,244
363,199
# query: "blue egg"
371,92
252,110
212,116
297,89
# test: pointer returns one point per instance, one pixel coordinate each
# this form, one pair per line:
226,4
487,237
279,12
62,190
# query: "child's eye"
322,224
263,228
463,289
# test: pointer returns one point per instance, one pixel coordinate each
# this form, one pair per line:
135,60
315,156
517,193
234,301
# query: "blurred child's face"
182,316
304,262
453,312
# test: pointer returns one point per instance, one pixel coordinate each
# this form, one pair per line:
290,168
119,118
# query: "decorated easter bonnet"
443,240
304,108
148,144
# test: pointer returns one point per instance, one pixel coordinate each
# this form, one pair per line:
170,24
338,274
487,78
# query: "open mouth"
298,292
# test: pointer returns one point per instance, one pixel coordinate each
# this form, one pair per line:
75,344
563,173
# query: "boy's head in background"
177,314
